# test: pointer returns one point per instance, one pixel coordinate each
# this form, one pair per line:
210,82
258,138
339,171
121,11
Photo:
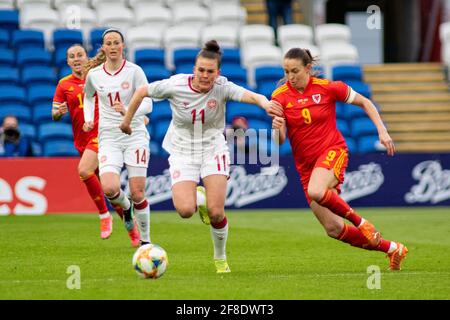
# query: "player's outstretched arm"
260,100
135,102
372,112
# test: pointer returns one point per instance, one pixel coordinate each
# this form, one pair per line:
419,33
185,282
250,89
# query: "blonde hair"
95,61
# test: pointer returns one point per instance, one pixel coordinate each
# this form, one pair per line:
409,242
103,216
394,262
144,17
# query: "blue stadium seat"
247,110
32,76
60,148
96,39
22,113
9,20
29,57
9,75
41,94
184,56
319,71
266,88
54,130
267,79
231,55
4,39
60,57
7,58
362,127
185,68
64,71
258,124
349,72
13,94
36,148
28,130
266,73
64,38
351,144
361,87
27,39
369,144
161,111
341,110
354,112
160,129
343,127
155,72
42,113
234,73
146,57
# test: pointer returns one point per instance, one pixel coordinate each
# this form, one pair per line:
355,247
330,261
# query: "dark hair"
76,45
112,30
211,50
304,55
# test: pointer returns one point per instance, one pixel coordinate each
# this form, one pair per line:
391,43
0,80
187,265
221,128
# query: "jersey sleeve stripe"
281,89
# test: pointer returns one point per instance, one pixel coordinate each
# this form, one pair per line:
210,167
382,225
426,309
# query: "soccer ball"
150,261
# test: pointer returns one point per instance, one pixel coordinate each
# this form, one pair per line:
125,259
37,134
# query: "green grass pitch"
273,254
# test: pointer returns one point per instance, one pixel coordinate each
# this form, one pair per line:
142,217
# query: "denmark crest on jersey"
212,103
316,97
125,85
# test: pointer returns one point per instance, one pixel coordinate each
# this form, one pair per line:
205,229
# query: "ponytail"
97,60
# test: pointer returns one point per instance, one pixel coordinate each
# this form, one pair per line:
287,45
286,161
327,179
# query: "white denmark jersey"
110,88
198,119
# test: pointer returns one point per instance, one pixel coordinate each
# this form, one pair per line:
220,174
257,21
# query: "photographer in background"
12,144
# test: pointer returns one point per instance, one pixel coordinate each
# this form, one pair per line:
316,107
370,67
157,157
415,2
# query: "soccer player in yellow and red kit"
69,98
308,105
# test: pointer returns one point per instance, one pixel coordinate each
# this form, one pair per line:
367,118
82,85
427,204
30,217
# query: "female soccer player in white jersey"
195,139
111,80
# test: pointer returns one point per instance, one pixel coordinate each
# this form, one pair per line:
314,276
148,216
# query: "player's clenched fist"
125,127
88,126
278,122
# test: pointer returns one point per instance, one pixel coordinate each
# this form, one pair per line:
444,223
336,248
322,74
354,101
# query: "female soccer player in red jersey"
320,151
69,98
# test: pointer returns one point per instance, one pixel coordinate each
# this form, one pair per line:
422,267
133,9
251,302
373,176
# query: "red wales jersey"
311,117
70,89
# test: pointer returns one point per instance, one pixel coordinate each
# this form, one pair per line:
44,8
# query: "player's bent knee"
333,230
316,193
216,213
138,196
186,211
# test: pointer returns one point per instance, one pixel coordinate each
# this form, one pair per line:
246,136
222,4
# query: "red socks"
355,238
338,206
95,191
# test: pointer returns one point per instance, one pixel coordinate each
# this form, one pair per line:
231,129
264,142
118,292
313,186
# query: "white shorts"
112,154
182,169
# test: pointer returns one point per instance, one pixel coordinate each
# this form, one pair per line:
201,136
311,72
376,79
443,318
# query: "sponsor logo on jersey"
289,105
316,98
303,101
212,103
125,85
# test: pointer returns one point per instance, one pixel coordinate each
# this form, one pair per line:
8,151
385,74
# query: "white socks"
121,200
219,237
143,219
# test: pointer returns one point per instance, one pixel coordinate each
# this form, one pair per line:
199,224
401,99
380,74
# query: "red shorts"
334,158
92,144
